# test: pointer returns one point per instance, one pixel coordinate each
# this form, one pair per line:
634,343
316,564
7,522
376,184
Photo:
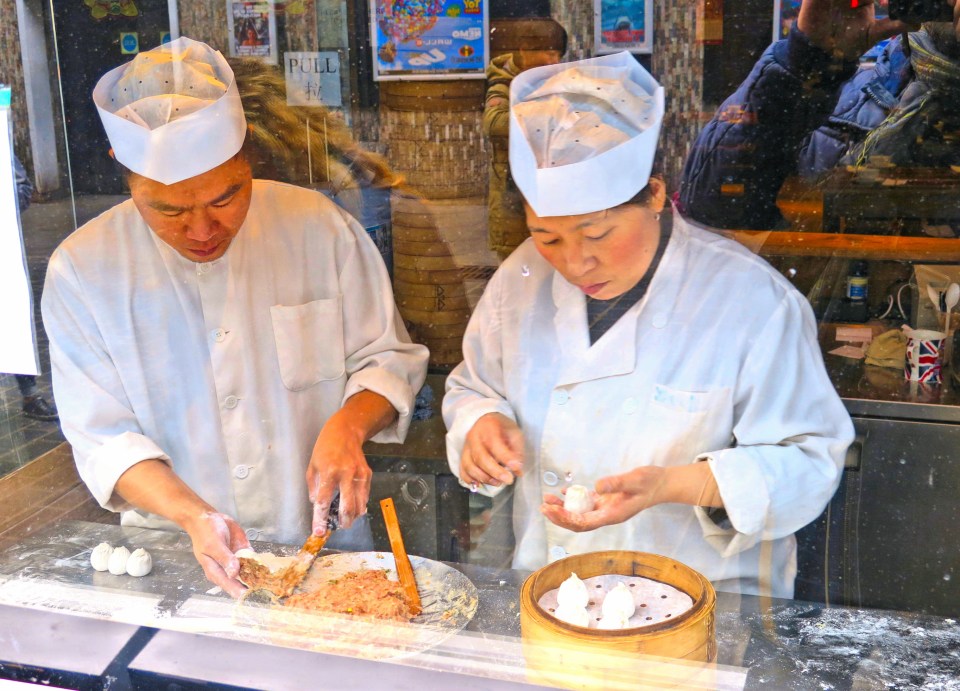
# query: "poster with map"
429,39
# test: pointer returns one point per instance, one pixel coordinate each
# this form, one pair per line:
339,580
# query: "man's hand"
843,31
493,452
215,538
338,462
617,499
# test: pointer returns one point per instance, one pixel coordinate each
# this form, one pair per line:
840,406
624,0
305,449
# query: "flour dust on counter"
860,649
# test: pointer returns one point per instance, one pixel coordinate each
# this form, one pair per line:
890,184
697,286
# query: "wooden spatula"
284,582
404,568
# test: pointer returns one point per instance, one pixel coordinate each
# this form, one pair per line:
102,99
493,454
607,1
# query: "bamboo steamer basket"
677,652
412,303
420,249
440,95
420,290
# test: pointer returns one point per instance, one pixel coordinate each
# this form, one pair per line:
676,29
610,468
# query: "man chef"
667,368
215,339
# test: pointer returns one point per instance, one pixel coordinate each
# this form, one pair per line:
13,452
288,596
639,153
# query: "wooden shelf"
871,247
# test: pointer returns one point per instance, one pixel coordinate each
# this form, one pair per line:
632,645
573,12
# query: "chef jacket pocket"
683,424
309,342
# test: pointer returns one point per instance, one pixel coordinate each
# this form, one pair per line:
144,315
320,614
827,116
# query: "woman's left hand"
618,498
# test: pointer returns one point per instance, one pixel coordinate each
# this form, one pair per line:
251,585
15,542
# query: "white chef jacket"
226,370
719,361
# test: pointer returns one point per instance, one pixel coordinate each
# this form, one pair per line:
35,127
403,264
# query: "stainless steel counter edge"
47,647
173,655
903,410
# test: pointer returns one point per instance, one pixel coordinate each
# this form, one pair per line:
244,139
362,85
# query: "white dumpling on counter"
140,563
619,604
572,594
578,499
573,615
100,556
118,561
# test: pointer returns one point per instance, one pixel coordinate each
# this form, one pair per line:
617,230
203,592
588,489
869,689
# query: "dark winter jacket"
798,113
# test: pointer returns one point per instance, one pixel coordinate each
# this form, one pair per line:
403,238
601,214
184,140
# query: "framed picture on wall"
429,39
784,15
623,25
253,29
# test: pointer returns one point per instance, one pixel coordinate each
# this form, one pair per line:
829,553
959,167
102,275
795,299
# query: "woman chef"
622,349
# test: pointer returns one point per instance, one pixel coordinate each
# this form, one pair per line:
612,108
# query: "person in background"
806,107
667,368
35,405
267,305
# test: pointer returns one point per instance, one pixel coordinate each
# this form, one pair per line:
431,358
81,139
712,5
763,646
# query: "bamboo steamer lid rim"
530,593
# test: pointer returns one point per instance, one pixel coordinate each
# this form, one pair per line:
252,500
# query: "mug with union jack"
924,357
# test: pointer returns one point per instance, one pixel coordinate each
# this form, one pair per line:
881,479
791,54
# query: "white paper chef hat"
172,112
583,134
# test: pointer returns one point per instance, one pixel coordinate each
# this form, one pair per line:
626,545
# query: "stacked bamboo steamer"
680,652
532,41
433,138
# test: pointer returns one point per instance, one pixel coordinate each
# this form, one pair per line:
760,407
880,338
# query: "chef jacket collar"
611,357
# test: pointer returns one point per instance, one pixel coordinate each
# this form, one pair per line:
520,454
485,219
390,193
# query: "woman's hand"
843,31
493,452
216,537
338,462
617,498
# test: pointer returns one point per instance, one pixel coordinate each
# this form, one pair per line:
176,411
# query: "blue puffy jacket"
798,113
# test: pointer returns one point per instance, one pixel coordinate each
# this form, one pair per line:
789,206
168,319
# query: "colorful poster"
623,25
429,39
253,29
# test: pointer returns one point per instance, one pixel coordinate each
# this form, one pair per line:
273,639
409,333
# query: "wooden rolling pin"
404,568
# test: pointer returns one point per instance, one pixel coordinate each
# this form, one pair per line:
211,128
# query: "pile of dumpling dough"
572,599
119,560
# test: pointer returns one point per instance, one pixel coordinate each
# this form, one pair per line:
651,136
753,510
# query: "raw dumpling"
573,615
572,594
139,563
619,604
578,499
100,556
118,561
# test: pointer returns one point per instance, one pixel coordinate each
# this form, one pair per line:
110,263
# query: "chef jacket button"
241,472
203,268
252,533
230,402
561,397
659,321
550,478
218,335
556,552
630,406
